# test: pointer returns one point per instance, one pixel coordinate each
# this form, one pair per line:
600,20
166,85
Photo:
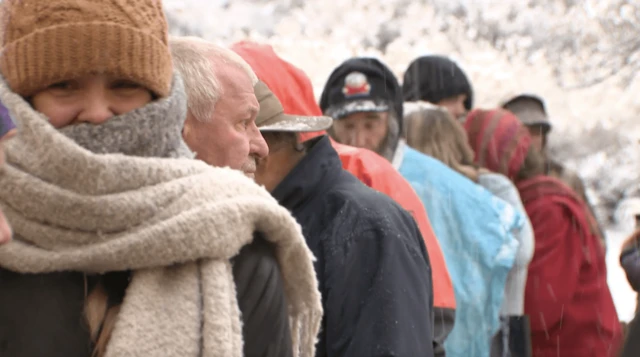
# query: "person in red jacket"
294,90
567,298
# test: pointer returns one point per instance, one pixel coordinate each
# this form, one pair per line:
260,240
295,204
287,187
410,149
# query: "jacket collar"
312,176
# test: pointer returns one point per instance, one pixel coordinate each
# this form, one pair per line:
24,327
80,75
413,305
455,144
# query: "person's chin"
251,175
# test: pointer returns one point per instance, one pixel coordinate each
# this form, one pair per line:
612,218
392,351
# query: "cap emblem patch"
356,84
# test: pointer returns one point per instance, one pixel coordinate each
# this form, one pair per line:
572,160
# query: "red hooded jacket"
566,297
295,91
567,294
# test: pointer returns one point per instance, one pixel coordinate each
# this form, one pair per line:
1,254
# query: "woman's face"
90,99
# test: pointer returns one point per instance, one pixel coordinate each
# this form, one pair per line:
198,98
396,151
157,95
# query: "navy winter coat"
372,264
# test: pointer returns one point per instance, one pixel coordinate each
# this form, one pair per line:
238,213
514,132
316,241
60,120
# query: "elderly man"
221,129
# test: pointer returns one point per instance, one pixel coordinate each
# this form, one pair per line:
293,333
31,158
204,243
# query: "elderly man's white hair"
192,58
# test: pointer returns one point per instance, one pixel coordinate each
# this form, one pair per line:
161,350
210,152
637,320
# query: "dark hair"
434,78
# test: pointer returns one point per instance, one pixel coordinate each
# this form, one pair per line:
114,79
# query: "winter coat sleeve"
378,293
555,268
504,189
260,291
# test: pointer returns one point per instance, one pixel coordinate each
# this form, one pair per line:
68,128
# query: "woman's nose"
96,109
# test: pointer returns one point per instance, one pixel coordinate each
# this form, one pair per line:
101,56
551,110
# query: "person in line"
434,132
532,112
372,263
440,81
220,129
124,245
295,91
566,297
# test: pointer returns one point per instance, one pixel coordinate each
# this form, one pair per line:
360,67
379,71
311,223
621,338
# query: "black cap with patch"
361,84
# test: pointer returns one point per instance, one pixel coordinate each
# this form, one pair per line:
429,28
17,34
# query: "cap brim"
546,126
357,106
298,124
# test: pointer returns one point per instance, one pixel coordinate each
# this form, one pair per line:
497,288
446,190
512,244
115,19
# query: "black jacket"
372,264
41,315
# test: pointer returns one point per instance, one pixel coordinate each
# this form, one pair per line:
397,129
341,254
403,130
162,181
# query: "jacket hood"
289,83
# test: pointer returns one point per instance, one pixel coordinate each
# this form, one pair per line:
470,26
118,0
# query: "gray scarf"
175,222
154,130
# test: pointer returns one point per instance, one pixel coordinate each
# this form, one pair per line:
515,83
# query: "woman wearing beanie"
123,244
566,296
436,133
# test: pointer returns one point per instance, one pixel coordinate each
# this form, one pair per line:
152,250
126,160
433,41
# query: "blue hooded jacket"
476,232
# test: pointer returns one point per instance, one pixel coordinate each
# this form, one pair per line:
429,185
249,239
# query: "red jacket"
567,297
295,91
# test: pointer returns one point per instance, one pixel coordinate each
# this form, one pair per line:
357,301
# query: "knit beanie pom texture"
48,41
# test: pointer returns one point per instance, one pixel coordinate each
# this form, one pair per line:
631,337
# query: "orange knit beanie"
47,41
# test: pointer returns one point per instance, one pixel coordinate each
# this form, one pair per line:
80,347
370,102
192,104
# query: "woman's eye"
65,85
124,85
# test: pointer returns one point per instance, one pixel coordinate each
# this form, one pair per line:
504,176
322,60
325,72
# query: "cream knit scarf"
175,222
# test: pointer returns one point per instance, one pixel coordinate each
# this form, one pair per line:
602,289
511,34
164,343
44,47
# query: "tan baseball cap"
272,117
